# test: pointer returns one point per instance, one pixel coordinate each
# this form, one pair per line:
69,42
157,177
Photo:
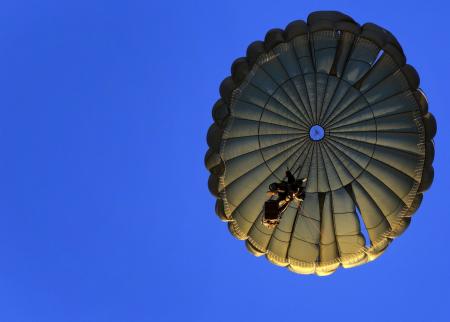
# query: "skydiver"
285,191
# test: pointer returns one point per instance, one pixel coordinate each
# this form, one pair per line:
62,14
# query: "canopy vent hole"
316,133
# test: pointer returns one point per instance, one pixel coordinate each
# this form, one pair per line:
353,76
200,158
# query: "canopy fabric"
336,103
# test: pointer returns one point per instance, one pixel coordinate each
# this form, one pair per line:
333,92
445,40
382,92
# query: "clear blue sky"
105,214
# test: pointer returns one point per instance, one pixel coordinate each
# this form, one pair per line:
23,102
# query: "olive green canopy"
366,172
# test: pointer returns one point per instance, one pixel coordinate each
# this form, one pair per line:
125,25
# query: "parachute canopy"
336,103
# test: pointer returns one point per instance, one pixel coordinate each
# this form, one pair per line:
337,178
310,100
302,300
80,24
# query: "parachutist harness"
285,192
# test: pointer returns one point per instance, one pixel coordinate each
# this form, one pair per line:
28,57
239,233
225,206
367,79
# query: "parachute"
336,103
